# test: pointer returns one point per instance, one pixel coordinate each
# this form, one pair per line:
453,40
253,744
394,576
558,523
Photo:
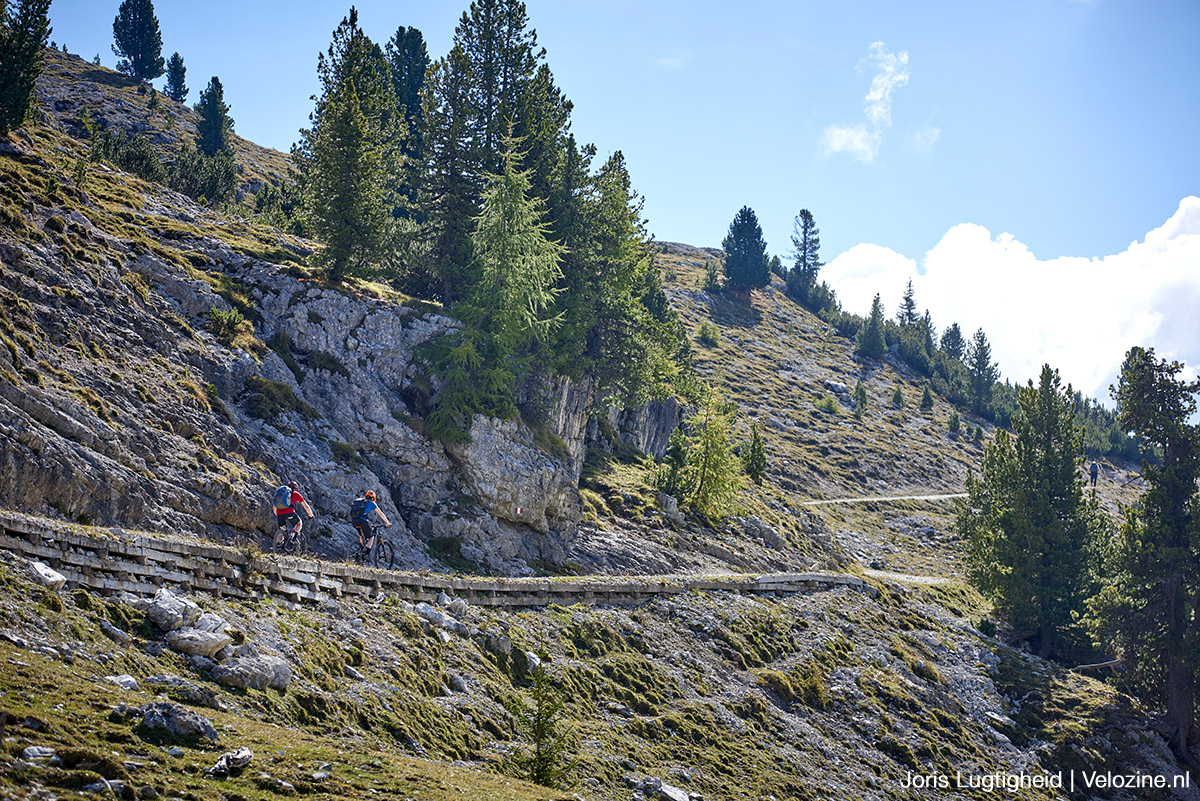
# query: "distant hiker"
287,497
1094,470
360,512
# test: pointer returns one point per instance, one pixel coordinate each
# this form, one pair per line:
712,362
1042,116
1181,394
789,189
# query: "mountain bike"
292,541
383,554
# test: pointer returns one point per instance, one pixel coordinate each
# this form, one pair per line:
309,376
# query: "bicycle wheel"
385,555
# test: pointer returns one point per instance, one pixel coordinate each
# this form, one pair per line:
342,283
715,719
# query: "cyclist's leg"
281,526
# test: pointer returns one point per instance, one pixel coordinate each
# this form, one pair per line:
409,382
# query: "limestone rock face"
254,672
169,612
515,480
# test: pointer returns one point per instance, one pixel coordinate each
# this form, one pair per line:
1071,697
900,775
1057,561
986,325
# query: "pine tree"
806,241
506,311
907,315
926,400
1152,589
540,722
138,42
746,264
348,160
860,399
214,126
410,65
871,342
23,34
712,277
982,373
1027,525
176,89
953,343
953,425
755,458
898,398
343,188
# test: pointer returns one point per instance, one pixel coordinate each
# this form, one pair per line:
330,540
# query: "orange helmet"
370,495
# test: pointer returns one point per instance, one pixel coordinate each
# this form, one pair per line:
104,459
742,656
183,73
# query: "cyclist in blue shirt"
360,511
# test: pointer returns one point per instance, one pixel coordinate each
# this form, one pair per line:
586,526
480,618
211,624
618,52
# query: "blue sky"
980,149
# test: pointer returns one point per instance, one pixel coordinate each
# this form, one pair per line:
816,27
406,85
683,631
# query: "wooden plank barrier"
112,561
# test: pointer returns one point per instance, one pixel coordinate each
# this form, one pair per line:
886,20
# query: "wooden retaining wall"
111,561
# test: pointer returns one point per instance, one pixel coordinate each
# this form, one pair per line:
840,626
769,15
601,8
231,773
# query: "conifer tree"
176,88
907,315
755,458
860,399
24,30
982,373
871,341
806,242
138,42
926,400
349,159
410,65
746,265
506,310
1152,588
953,343
715,471
344,192
214,128
1027,525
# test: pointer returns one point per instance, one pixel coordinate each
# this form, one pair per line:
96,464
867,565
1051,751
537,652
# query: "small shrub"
926,400
709,335
898,398
978,435
56,224
712,277
829,404
953,425
320,360
344,452
268,399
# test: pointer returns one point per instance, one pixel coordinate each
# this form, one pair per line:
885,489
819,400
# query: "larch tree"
137,41
506,311
24,30
1027,524
746,264
1146,610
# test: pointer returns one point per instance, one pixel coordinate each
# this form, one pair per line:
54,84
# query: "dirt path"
943,497
889,575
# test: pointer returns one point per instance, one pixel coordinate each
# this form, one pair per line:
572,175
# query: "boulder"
177,720
195,642
254,673
169,612
47,576
124,680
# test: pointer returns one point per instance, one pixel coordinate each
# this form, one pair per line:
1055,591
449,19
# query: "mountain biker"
360,511
286,516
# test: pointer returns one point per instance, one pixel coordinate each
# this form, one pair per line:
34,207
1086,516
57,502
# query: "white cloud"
863,144
1080,315
863,140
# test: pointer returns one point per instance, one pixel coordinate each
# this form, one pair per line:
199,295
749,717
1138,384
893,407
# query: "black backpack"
358,509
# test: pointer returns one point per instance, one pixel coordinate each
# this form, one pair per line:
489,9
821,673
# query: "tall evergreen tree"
982,373
214,128
714,471
806,243
449,187
349,160
954,344
1027,524
746,265
755,458
24,30
871,341
138,42
176,88
1152,591
410,65
344,191
502,55
907,315
507,309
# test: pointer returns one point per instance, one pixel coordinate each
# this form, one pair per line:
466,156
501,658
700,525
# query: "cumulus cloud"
862,140
1080,315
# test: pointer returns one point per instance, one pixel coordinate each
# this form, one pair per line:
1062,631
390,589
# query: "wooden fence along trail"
111,561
